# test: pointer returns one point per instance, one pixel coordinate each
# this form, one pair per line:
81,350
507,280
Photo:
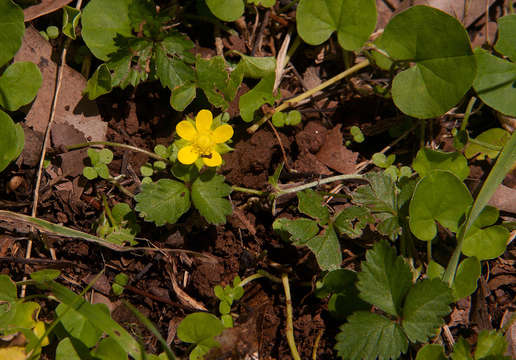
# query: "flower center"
203,144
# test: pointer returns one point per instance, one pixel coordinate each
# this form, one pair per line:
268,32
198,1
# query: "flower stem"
248,191
290,324
113,144
309,93
319,182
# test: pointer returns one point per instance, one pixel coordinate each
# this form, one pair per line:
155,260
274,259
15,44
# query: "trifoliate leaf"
370,336
19,85
300,230
380,160
209,192
431,352
326,249
428,160
440,196
490,343
385,278
163,201
310,203
353,20
425,306
11,30
256,97
465,282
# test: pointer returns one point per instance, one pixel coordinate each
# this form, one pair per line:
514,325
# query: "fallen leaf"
43,8
335,155
504,198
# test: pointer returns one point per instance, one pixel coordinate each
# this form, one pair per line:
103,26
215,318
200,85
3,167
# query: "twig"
316,344
114,144
320,182
290,324
285,160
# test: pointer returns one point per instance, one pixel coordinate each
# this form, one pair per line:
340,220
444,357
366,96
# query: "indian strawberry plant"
388,256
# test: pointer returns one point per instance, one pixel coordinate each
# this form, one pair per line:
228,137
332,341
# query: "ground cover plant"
306,179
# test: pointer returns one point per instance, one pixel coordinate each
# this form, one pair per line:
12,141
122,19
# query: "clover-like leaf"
19,85
256,97
12,28
440,196
494,82
101,22
465,282
99,83
385,278
494,136
353,20
12,140
310,203
425,305
79,327
163,201
427,160
209,194
326,249
370,336
506,43
226,10
444,65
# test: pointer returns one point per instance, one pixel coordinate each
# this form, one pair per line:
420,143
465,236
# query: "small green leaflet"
310,203
209,192
326,248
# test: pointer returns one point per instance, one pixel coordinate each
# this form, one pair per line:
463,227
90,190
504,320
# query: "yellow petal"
187,155
13,353
186,130
214,160
203,120
222,134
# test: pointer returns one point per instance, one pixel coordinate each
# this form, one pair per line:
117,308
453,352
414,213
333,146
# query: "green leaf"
257,67
353,20
79,327
293,118
444,65
7,289
100,82
385,278
310,203
173,61
506,43
182,96
431,352
326,249
46,274
369,336
380,160
12,28
256,97
146,170
264,3
494,136
12,140
440,196
461,350
427,160
357,134
279,118
466,278
101,22
19,85
109,349
209,192
163,201
490,343
89,173
71,349
199,328
105,156
352,220
494,82
426,304
130,61
300,230
226,10
434,270
102,170
71,18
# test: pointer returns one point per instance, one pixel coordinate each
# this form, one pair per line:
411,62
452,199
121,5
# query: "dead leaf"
72,108
504,199
33,144
43,8
335,155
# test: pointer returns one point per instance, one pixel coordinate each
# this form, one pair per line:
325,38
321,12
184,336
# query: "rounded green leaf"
293,118
101,22
11,30
182,96
52,32
102,170
79,326
506,43
161,150
7,289
105,156
353,20
19,84
431,352
465,282
278,119
226,10
89,173
146,170
485,244
494,82
428,160
99,83
198,327
494,136
440,196
444,66
357,134
12,140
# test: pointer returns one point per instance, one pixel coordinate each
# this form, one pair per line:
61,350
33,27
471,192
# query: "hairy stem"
114,144
319,182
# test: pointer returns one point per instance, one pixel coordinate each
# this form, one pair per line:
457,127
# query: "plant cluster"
433,69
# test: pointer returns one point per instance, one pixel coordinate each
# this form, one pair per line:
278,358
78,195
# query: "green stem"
319,182
308,93
449,274
429,250
485,145
292,50
248,191
258,275
422,134
290,324
114,144
471,103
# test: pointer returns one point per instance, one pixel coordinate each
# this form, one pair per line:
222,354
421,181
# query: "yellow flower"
202,139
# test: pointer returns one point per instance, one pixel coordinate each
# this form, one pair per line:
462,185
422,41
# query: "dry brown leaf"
43,8
504,199
335,155
72,107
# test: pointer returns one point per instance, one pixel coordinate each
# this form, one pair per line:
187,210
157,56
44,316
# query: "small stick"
290,325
